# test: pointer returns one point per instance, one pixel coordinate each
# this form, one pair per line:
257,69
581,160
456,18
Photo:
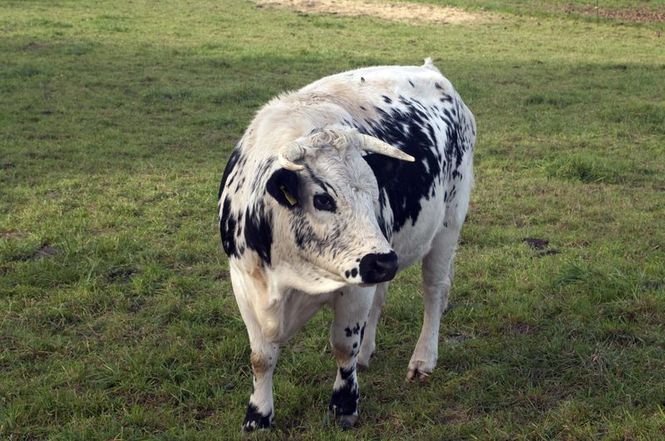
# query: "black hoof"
255,420
347,422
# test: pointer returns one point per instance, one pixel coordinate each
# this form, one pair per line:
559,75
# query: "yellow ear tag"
289,197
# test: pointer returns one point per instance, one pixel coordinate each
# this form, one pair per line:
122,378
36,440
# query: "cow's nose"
376,268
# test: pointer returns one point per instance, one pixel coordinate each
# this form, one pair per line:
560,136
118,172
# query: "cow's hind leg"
369,341
351,307
437,271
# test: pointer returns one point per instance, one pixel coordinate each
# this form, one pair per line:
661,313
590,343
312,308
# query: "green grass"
117,319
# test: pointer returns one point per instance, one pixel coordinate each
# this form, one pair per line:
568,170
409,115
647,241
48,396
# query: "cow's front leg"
260,409
351,307
251,295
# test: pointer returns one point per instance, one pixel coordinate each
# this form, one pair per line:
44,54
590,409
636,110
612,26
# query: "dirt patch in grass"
34,46
537,244
120,275
522,328
637,15
44,251
457,337
404,12
540,245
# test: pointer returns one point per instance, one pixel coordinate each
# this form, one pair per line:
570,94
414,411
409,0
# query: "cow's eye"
324,202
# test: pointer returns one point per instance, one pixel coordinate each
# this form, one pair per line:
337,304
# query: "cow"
331,191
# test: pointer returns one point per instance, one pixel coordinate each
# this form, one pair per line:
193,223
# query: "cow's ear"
283,186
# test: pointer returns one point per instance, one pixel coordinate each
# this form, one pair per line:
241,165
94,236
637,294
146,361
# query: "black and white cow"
332,190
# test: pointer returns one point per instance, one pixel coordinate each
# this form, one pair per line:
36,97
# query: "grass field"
117,319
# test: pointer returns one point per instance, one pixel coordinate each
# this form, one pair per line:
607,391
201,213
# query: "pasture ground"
117,319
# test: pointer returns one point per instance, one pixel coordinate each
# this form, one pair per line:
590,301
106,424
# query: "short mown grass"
117,319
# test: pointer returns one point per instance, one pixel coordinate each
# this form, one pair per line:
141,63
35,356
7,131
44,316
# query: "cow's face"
329,215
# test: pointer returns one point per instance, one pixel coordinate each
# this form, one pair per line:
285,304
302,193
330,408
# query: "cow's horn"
372,144
291,153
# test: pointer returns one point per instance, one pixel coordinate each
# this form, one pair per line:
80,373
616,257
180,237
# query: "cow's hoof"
255,420
345,422
252,426
414,374
362,365
420,369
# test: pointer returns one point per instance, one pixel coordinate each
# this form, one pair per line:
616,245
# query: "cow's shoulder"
430,128
245,220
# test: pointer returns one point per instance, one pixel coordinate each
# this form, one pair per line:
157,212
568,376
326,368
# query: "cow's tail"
429,64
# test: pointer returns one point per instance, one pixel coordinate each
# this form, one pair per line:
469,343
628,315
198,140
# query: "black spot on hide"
385,169
346,374
227,220
258,231
411,128
230,166
227,229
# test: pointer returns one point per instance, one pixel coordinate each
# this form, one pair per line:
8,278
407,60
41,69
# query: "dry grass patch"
635,15
404,12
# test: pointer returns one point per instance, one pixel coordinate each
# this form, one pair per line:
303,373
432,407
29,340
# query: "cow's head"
328,205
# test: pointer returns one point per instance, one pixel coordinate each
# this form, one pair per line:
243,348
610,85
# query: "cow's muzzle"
377,268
